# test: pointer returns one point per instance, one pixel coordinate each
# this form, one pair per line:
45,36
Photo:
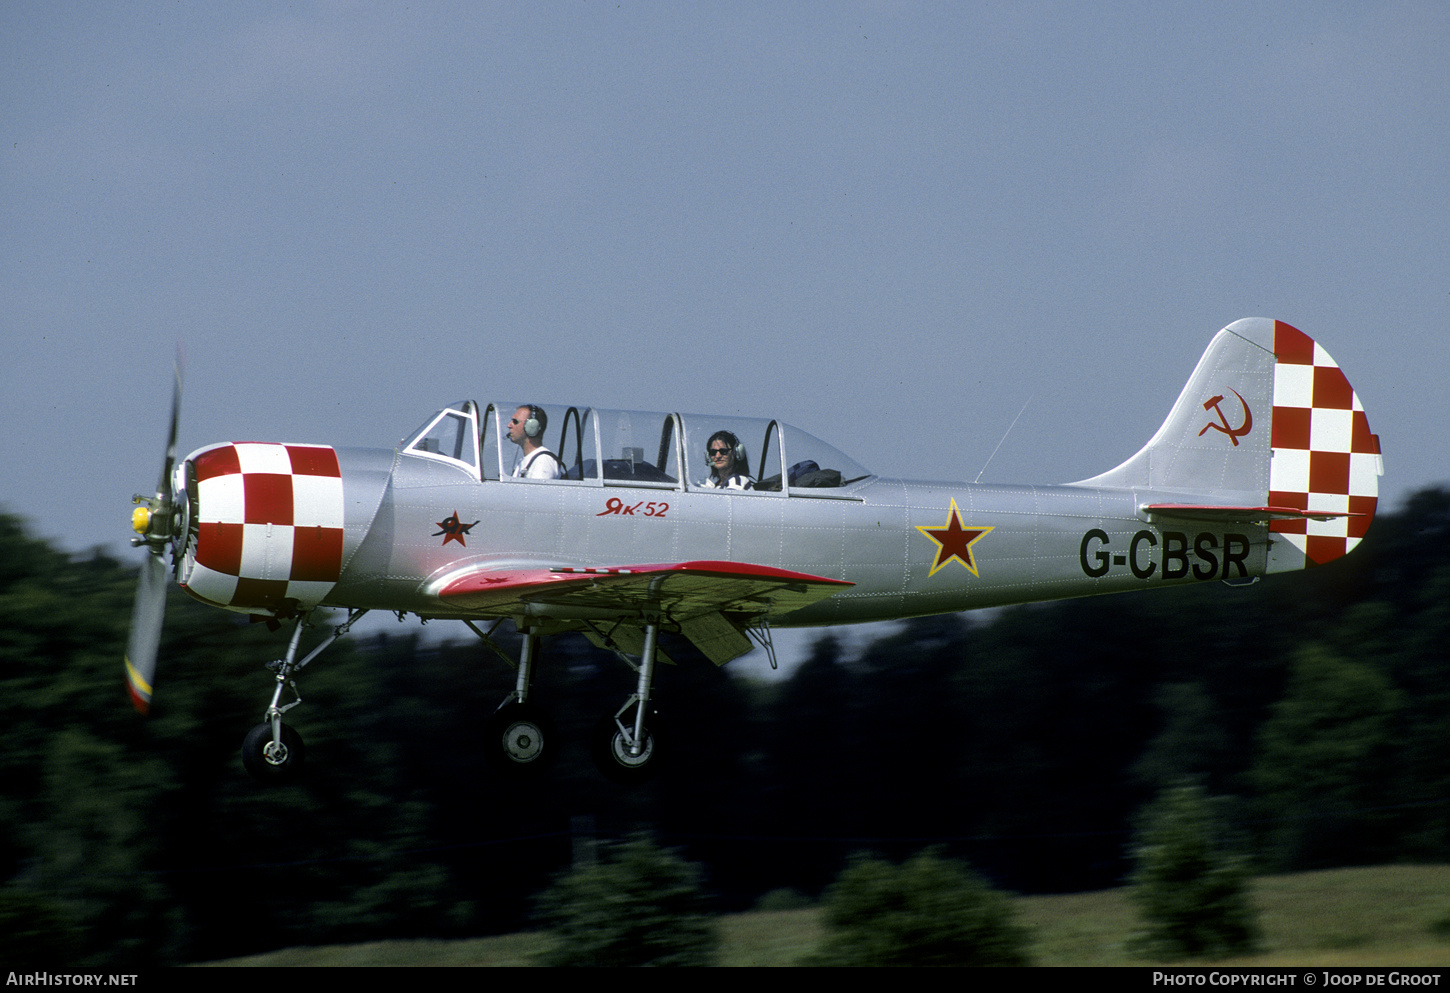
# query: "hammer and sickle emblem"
1233,433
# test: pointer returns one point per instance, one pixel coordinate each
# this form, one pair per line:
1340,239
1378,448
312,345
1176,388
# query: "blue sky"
892,224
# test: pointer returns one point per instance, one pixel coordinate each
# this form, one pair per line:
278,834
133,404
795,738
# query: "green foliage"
783,899
640,905
1191,742
929,911
1192,893
1326,757
1440,926
35,933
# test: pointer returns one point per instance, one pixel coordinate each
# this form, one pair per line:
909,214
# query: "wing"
708,600
679,589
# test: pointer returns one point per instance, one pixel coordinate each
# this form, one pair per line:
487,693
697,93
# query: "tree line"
1313,706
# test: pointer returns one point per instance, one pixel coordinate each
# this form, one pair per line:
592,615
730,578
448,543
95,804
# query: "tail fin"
1267,429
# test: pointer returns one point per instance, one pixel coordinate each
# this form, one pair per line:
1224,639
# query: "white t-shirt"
539,464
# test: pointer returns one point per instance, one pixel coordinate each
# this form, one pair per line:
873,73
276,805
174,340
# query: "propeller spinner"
156,520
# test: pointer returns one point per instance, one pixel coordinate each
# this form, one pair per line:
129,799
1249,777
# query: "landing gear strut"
520,737
626,745
272,752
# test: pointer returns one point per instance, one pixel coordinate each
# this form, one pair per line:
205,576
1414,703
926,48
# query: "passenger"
525,430
728,467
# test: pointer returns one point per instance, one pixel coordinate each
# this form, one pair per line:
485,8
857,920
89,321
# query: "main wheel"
613,757
268,763
520,738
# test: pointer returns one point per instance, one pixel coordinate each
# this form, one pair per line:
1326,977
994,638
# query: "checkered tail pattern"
1325,458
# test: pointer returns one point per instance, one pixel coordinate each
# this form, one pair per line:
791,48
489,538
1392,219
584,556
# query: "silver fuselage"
1044,543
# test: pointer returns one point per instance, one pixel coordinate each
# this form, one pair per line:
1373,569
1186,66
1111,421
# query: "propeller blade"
156,523
147,614
163,486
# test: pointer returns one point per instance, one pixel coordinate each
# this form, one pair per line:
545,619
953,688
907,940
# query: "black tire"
273,769
611,752
520,739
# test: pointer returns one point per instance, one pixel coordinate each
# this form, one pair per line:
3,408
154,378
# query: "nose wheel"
273,758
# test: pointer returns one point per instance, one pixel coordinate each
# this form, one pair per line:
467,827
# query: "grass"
1380,916
1367,917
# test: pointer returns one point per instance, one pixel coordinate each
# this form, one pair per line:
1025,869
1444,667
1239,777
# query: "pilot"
525,430
728,468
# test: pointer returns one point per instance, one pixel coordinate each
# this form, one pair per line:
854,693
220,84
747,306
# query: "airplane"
1265,464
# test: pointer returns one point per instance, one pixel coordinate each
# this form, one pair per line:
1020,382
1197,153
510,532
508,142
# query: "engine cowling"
264,526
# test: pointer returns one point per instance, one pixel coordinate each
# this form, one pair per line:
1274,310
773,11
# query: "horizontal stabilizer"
1220,514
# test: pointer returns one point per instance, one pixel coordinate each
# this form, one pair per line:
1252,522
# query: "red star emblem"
453,529
953,542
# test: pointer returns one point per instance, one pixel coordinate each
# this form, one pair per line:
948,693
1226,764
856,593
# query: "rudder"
1325,458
